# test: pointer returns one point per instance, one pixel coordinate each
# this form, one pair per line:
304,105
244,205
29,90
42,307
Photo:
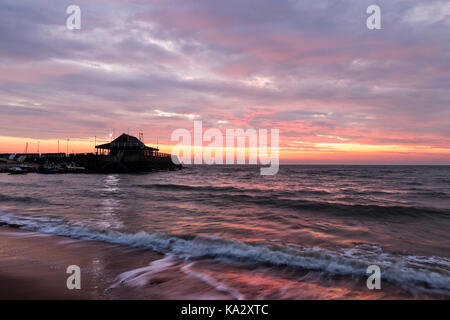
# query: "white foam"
219,286
141,276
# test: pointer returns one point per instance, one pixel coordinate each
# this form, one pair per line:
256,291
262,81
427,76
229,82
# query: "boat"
61,168
73,168
17,170
27,168
47,169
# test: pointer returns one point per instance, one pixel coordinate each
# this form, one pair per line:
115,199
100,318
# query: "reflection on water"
111,183
110,204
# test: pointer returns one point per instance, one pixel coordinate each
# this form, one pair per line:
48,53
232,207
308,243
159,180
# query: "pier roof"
125,142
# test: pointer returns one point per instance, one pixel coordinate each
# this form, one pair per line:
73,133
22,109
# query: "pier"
125,154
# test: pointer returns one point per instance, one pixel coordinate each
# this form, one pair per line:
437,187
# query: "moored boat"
73,168
17,170
47,169
27,168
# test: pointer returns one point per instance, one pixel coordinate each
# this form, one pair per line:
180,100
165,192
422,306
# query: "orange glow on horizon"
300,151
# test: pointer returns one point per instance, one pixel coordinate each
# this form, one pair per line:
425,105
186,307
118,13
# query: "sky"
337,91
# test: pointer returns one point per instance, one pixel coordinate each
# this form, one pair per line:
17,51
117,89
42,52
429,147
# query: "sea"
308,232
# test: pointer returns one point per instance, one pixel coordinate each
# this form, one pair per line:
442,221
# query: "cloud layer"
310,68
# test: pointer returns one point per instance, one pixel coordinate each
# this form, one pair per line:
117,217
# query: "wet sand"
33,266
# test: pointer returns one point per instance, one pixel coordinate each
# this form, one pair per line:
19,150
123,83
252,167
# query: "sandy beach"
33,266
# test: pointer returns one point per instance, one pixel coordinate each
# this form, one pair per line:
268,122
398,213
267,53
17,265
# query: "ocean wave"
291,199
170,186
333,207
221,189
11,198
429,273
431,194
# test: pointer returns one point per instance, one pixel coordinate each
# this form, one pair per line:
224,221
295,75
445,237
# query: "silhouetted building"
127,145
127,154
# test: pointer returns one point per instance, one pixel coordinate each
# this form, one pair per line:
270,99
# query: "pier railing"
160,155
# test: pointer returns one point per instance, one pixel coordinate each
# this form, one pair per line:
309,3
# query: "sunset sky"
338,92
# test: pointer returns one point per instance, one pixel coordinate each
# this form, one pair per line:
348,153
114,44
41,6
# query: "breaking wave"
430,273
